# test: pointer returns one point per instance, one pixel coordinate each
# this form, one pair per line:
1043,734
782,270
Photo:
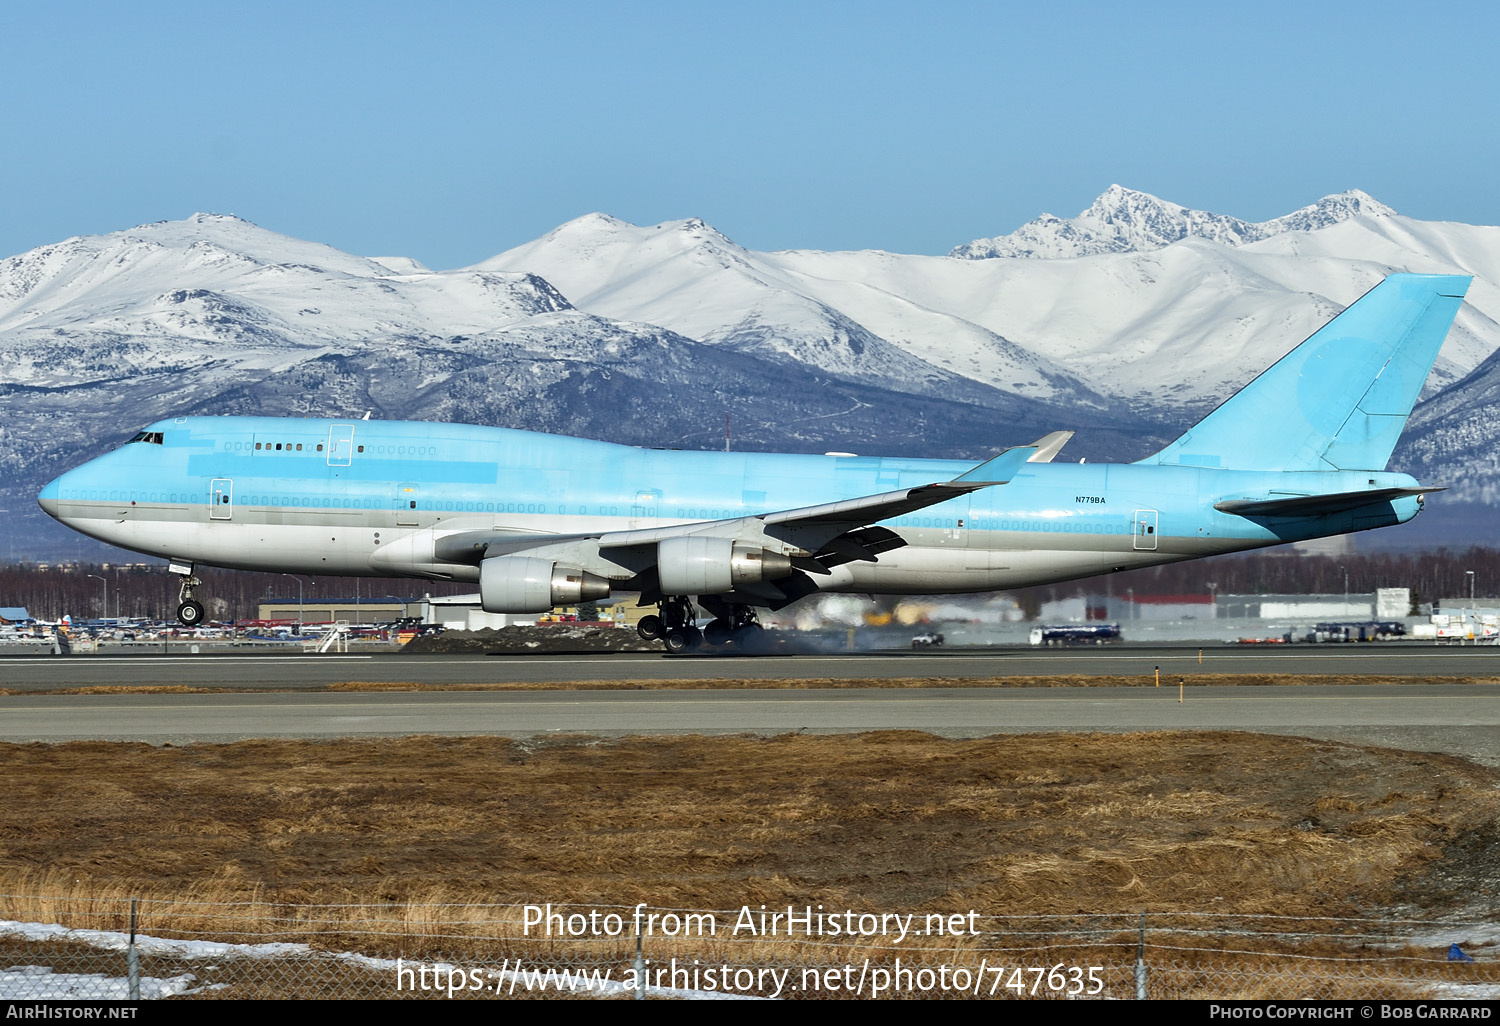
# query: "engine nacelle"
713,566
523,584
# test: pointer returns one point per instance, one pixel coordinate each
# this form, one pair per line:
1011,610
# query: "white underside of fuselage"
934,561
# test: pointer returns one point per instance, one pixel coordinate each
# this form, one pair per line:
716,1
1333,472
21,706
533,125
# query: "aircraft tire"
650,627
190,613
677,640
717,633
748,636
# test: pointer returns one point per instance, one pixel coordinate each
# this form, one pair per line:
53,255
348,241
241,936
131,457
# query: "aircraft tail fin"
1340,400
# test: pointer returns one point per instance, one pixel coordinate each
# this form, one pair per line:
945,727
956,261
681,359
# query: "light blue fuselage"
372,497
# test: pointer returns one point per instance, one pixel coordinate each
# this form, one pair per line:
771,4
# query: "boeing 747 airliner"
543,520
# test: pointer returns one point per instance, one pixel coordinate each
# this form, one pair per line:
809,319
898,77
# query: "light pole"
103,595
1470,575
299,601
1346,589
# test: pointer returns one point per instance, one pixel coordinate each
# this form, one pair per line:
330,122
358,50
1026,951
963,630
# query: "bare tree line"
1429,575
81,589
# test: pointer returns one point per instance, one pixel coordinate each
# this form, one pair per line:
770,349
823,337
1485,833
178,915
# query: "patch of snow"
40,983
36,982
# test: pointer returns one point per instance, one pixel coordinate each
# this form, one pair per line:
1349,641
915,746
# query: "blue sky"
452,131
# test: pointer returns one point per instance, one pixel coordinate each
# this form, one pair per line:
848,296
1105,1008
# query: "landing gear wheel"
677,640
718,632
748,636
650,627
190,613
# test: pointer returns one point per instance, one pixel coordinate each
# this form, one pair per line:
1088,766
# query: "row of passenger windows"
403,450
1063,527
324,502
380,450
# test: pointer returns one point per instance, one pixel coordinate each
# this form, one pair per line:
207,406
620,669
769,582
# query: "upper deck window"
153,437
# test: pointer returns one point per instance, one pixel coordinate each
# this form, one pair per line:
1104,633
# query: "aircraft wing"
836,532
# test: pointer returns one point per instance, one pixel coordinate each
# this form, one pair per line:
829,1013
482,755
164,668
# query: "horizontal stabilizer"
1317,505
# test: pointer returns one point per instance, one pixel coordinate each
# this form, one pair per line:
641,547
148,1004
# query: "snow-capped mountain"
652,334
686,276
1123,220
102,334
1171,330
1454,438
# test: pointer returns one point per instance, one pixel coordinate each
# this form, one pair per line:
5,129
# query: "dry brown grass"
414,846
1114,823
804,683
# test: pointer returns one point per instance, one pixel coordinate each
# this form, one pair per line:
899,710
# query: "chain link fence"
119,949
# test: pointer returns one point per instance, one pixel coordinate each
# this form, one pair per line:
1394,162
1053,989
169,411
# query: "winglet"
1049,445
1000,469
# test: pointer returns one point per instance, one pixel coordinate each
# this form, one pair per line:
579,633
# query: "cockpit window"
153,437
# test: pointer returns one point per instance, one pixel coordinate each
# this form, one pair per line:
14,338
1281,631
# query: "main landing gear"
189,612
674,625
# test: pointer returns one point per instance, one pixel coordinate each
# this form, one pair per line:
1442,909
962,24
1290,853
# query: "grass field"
1222,822
410,846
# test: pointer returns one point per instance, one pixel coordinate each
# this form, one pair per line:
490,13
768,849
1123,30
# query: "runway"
1461,719
273,695
274,671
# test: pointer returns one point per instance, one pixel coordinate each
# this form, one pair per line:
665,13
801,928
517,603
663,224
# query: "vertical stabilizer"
1339,400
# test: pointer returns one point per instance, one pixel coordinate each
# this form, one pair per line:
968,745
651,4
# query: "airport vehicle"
544,520
1076,634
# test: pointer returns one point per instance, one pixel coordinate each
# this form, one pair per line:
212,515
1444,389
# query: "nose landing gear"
189,612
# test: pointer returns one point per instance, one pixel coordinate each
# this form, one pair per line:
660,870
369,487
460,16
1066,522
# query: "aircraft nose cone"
48,499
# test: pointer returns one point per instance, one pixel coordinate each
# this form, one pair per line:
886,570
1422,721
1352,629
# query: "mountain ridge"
650,334
1125,220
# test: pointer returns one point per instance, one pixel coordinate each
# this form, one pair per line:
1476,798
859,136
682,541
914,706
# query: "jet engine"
522,584
713,566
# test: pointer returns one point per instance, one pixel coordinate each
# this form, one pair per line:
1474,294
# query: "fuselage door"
1144,530
340,445
221,499
406,505
643,511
